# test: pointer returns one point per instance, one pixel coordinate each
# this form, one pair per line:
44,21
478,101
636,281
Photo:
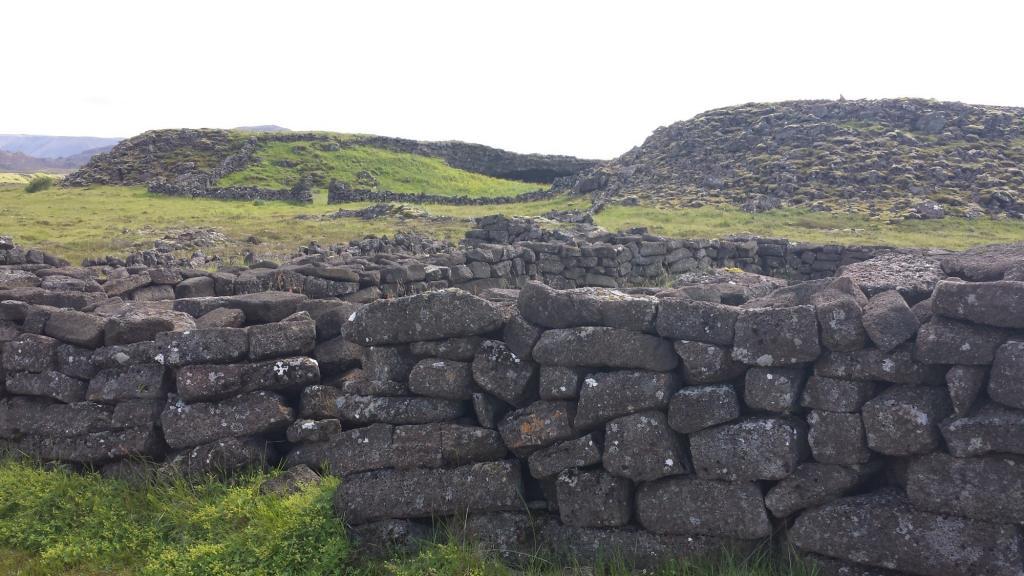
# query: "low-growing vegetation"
39,183
56,522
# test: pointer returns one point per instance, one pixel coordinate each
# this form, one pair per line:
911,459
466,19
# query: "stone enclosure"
874,420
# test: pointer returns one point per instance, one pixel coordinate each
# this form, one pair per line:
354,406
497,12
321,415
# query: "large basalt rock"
222,457
577,453
429,316
835,394
95,448
30,353
945,341
897,367
695,408
965,383
438,378
992,303
329,402
201,382
990,428
707,363
75,327
642,448
608,395
538,425
837,437
504,374
913,276
604,347
682,319
904,420
132,325
1006,381
553,308
693,506
212,345
47,384
594,499
884,530
423,493
145,381
187,425
989,488
888,320
774,389
751,449
776,336
281,339
813,484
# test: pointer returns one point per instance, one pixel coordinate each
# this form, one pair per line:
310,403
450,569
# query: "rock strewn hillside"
884,157
166,154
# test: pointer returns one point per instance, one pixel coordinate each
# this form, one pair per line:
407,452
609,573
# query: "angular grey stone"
312,430
30,353
222,457
579,453
683,505
202,382
594,499
904,420
112,385
338,354
327,402
608,395
460,349
897,366
488,409
282,339
132,325
502,373
265,307
873,529
964,384
330,314
221,318
48,384
429,316
641,447
998,303
76,328
751,449
520,336
384,538
1006,382
989,488
841,319
538,425
776,336
551,308
813,484
355,382
945,341
212,345
388,363
694,408
604,347
75,362
420,493
153,294
94,448
291,481
888,320
187,425
773,389
990,428
684,319
122,286
835,394
837,437
442,379
124,355
560,382
707,363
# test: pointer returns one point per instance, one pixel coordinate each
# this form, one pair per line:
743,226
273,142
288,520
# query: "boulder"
989,488
695,408
459,349
990,428
776,336
504,374
904,420
707,363
594,499
835,394
692,506
913,276
945,341
604,347
76,328
144,381
992,303
538,425
897,367
560,382
47,384
813,484
837,437
578,453
327,402
280,339
751,449
385,363
429,316
30,353
440,378
222,457
685,319
774,389
642,448
888,320
551,308
131,325
964,384
254,413
221,318
1006,381
211,345
609,395
312,430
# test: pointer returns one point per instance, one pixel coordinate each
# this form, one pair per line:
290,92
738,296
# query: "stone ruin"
872,420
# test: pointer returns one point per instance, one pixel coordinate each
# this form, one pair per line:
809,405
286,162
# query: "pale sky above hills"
590,79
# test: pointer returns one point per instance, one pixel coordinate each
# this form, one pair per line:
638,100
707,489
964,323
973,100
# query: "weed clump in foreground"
39,183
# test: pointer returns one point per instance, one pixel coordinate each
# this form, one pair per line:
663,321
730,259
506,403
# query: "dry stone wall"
875,423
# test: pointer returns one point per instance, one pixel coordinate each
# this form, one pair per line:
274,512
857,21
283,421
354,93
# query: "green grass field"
54,522
88,222
281,163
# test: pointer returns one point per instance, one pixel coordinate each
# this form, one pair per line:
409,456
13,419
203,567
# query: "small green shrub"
39,183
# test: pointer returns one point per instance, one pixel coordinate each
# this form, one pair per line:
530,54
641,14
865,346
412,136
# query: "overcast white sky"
584,78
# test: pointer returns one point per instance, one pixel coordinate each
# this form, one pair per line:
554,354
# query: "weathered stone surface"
594,499
578,453
913,276
212,345
836,395
904,420
710,507
282,339
327,402
387,363
418,493
383,538
330,314
221,318
945,341
964,384
76,328
312,430
125,355
837,437
888,320
776,336
1006,381
338,354
520,336
608,395
695,408
153,294
47,384
538,425
707,363
604,347
989,488
123,286
641,447
990,428
841,319
502,373
459,349
897,366
291,481
265,307
751,449
810,485
440,378
112,385
774,389
560,382
488,409
222,457
550,308
76,362
993,303
133,325
215,381
94,447
30,353
429,316
684,319
187,425
875,529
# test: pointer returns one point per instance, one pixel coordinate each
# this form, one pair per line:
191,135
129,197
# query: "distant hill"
887,158
55,146
18,162
262,128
